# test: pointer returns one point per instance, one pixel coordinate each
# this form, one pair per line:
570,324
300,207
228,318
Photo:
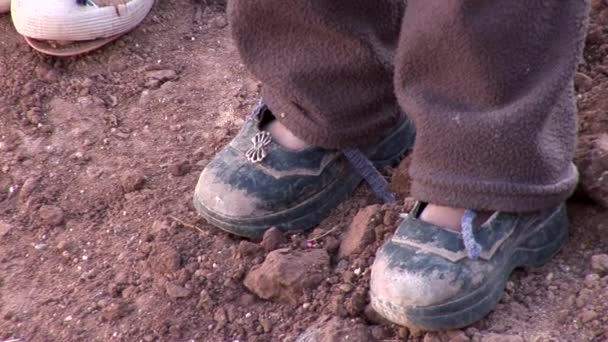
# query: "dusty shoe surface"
423,277
253,183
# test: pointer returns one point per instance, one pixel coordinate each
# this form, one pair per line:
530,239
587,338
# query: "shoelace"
471,246
362,165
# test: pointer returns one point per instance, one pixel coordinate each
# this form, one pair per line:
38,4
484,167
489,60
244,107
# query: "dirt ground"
99,240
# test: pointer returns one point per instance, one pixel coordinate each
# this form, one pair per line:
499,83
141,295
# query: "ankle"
283,136
441,216
450,217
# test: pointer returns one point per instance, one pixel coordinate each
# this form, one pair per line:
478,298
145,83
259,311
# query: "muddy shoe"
430,278
254,183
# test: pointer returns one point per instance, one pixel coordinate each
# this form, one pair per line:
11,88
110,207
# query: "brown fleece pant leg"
489,84
326,65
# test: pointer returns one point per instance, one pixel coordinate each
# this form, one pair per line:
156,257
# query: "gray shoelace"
471,246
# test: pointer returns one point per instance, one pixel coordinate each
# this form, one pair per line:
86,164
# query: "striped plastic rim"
75,48
65,20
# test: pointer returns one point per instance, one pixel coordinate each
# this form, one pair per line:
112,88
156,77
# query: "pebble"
266,324
592,280
180,168
248,248
162,75
335,329
588,315
51,215
284,274
599,264
272,238
132,181
360,233
582,82
501,338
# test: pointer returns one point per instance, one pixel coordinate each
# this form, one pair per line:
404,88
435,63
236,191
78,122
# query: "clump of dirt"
99,241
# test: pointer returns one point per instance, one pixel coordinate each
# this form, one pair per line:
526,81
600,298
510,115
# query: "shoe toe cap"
219,197
405,279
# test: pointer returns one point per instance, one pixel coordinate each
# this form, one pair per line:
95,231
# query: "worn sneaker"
431,278
253,183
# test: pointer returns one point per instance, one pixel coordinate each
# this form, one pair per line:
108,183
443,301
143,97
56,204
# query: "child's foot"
268,177
424,277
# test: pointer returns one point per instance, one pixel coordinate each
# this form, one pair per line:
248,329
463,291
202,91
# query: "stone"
588,315
285,274
162,75
582,82
592,161
51,215
132,181
272,238
599,264
592,280
248,248
456,336
180,168
333,329
501,338
5,228
373,316
115,311
175,291
164,259
379,332
360,232
432,337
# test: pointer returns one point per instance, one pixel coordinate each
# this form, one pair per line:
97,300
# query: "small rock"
266,324
456,336
4,228
273,237
588,315
27,188
180,168
599,264
582,82
592,161
51,215
284,274
360,232
247,248
220,315
247,299
121,278
592,280
164,259
34,116
327,329
115,311
404,333
373,316
219,22
379,332
432,337
175,291
162,75
331,244
132,181
501,338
